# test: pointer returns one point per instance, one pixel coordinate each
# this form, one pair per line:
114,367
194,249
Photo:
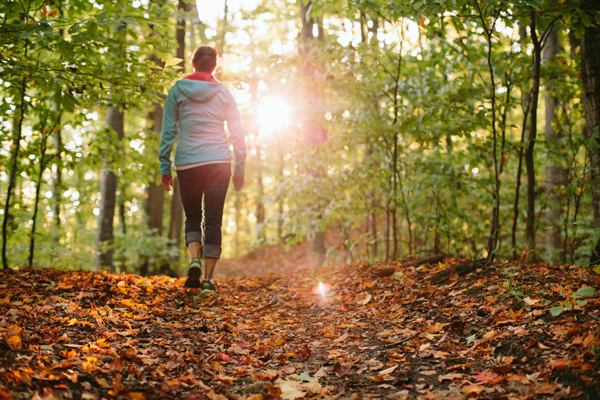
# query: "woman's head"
205,59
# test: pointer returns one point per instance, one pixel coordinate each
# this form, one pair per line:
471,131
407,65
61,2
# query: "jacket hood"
198,90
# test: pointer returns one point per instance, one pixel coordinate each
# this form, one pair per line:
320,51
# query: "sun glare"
273,114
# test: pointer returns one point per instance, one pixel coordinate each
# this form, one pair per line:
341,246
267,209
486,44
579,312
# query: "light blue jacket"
200,109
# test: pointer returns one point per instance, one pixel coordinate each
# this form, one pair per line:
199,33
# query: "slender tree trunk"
57,182
522,145
38,187
495,226
176,224
371,206
221,40
532,256
108,195
154,197
555,171
13,171
590,74
260,206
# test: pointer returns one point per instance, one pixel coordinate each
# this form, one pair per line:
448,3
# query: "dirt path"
488,335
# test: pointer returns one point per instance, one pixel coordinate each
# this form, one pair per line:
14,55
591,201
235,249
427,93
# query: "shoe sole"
193,278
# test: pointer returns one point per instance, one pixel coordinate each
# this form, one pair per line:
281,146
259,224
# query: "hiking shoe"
208,286
194,273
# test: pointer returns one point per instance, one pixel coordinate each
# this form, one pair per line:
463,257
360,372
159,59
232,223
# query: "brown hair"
205,59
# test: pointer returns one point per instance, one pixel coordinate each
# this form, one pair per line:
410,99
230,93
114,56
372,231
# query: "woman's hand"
166,181
238,183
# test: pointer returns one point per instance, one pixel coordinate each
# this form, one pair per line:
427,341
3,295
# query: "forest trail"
490,334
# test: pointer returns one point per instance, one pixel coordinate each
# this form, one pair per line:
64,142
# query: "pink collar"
201,76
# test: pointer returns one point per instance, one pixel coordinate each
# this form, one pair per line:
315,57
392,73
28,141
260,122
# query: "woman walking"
194,113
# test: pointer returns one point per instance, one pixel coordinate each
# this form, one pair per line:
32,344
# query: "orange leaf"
485,376
53,13
224,378
468,389
14,342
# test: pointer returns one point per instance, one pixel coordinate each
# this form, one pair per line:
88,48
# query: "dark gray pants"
203,191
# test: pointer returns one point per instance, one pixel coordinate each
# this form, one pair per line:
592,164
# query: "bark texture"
317,241
108,196
590,74
555,170
529,147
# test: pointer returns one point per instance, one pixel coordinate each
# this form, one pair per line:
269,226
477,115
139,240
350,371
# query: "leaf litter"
490,334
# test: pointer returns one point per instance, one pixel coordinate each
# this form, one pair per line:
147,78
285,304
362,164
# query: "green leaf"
581,303
68,104
58,97
73,29
102,16
166,57
92,30
26,34
305,377
173,61
130,21
556,310
471,339
569,306
584,291
73,99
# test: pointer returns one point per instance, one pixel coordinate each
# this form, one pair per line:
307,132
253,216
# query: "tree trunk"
12,178
57,182
317,241
529,148
176,224
260,206
590,74
108,196
555,171
38,188
371,207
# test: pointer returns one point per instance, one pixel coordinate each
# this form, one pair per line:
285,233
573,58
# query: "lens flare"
273,114
321,288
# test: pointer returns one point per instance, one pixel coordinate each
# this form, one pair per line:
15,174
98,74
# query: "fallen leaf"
225,378
366,299
213,396
14,342
428,373
341,338
289,389
546,388
468,389
388,371
306,377
485,376
320,373
449,377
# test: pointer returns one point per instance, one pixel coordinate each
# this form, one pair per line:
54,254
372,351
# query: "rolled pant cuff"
193,237
212,251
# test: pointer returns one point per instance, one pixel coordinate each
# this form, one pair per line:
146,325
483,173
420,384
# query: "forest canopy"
375,129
